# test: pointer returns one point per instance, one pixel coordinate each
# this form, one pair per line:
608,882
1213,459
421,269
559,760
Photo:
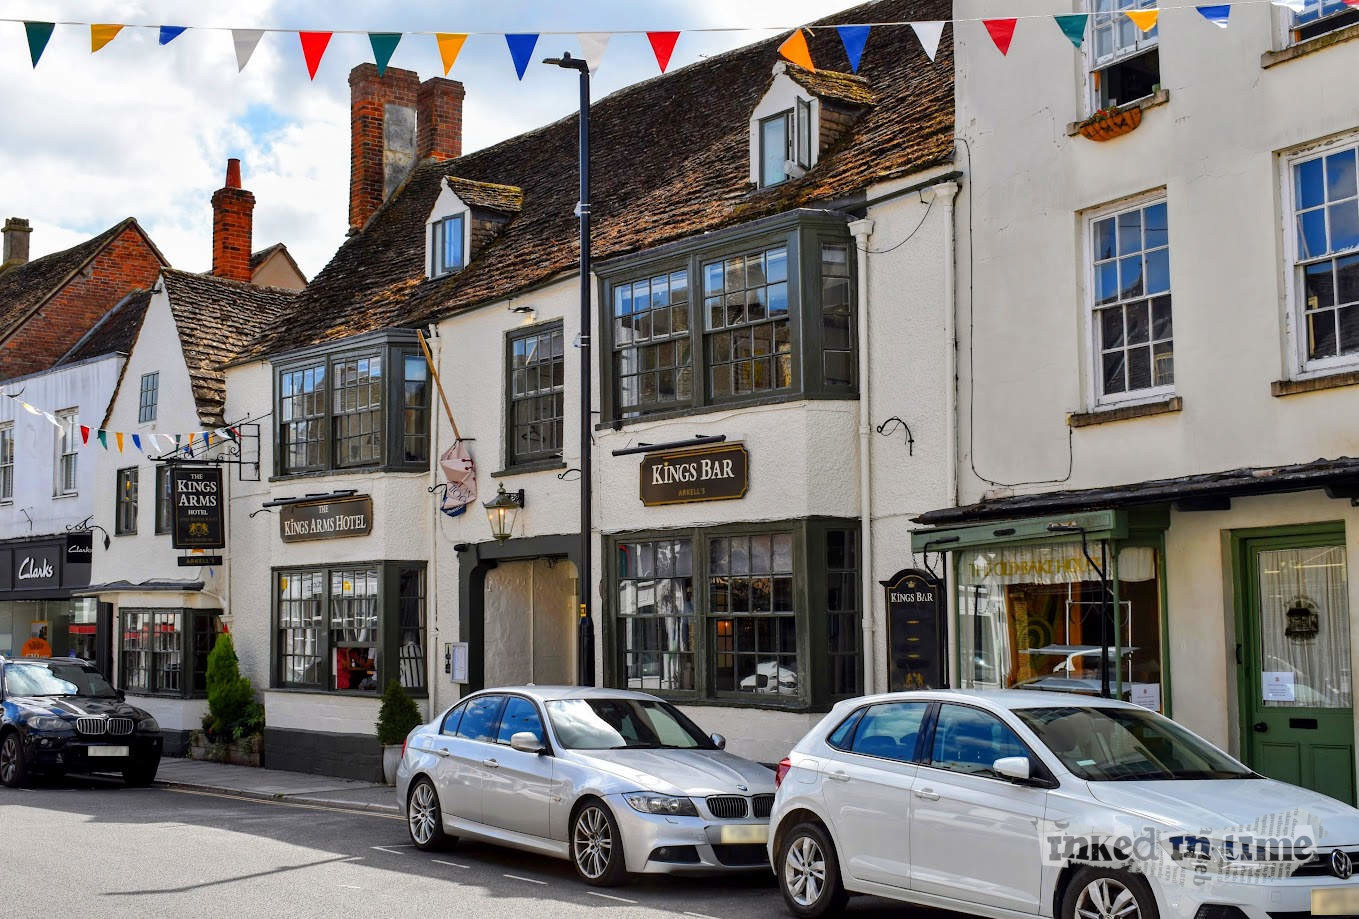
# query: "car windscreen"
1106,744
619,724
56,679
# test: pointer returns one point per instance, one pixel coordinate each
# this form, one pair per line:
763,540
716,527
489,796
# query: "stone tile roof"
670,160
116,332
848,88
507,199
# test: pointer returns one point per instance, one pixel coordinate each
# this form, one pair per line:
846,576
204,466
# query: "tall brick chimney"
382,136
439,119
16,234
232,225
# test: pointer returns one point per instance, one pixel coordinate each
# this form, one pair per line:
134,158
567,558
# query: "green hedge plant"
398,716
233,712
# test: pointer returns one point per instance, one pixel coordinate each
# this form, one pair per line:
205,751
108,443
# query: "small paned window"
7,462
125,521
415,409
1131,311
1326,260
748,339
837,316
842,610
163,505
536,393
354,628
1310,18
357,411
447,245
753,618
165,651
68,455
653,349
302,418
1125,61
147,397
654,596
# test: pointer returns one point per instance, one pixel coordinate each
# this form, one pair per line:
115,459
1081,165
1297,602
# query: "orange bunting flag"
450,43
1001,32
1143,19
313,47
192,435
118,436
663,43
795,49
102,34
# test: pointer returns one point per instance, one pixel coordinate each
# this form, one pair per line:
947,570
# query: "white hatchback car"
1024,803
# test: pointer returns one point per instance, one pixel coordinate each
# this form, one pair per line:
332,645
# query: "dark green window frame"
821,610
163,505
163,665
128,483
544,403
803,233
403,417
401,639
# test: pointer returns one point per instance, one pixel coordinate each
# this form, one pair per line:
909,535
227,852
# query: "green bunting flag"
103,438
39,33
1073,26
384,46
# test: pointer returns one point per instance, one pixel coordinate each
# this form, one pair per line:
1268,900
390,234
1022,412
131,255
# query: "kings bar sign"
718,473
332,519
198,511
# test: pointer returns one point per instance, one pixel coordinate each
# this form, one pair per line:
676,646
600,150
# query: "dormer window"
447,238
466,218
785,139
800,118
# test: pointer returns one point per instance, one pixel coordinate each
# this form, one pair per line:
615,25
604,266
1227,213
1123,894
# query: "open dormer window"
466,218
775,148
446,245
801,117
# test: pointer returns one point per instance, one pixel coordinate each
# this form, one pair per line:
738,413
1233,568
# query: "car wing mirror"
719,741
1017,768
527,742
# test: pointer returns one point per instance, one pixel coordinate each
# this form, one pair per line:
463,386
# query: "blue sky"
142,130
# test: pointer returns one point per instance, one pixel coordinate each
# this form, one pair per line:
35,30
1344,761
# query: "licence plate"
745,834
1335,901
107,751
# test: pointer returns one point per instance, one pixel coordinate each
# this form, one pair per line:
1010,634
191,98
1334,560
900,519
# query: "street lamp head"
568,62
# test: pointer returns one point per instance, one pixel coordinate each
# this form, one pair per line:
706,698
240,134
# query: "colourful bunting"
1073,26
1297,6
450,43
592,45
929,33
1216,14
118,437
103,438
170,33
1143,19
521,45
85,434
1002,32
663,45
853,38
245,41
137,442
795,49
39,33
192,435
101,34
384,46
313,49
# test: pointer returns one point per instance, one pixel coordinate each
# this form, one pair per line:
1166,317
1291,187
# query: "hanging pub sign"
335,518
915,631
716,473
197,510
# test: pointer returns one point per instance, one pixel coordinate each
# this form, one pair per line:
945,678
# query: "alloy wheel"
593,842
424,813
804,871
1107,898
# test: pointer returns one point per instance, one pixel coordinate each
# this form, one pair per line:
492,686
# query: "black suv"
60,715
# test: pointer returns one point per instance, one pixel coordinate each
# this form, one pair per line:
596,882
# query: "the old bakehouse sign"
717,473
332,519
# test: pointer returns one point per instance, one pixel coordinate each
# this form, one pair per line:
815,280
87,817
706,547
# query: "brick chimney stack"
439,119
16,234
382,136
232,226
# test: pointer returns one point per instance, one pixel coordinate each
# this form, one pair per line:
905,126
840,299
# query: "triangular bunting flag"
84,433
101,34
38,35
232,433
55,422
450,43
1216,14
137,442
118,436
1073,26
929,34
31,409
853,38
384,46
313,48
592,45
521,46
795,49
1143,19
192,435
245,40
663,45
103,437
207,438
170,33
1002,31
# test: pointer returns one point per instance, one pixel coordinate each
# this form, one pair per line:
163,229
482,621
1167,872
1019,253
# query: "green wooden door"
1297,689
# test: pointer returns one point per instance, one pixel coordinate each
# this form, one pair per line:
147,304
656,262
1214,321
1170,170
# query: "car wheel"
424,817
13,764
139,775
809,873
1103,893
597,847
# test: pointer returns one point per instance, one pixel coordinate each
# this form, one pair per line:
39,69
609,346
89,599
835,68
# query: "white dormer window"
448,237
785,143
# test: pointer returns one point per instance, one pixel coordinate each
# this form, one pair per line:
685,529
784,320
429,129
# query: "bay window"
1325,243
165,651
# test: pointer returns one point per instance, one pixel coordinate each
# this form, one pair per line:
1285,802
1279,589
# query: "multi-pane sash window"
125,519
842,610
652,356
165,651
354,628
745,299
68,456
837,316
302,418
415,410
301,628
753,622
147,397
536,383
1310,18
655,608
163,505
446,245
357,412
7,462
1130,314
412,623
776,147
1125,63
1326,261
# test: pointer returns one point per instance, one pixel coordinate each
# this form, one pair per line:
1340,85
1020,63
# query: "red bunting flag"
85,434
313,47
663,43
1001,32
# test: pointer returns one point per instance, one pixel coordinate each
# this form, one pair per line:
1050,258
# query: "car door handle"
927,794
440,751
490,764
838,776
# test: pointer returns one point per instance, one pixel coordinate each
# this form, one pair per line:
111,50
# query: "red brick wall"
438,131
125,265
232,219
368,95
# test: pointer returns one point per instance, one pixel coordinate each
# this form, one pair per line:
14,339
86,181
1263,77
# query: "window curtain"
1305,623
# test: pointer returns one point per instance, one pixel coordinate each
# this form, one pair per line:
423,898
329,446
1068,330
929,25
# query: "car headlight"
148,724
666,805
48,723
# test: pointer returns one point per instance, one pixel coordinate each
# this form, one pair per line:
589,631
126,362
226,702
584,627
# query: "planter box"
244,752
1116,124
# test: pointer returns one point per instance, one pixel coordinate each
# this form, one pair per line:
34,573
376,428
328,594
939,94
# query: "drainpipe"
945,193
432,655
862,230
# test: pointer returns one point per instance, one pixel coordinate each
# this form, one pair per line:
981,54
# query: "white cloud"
142,130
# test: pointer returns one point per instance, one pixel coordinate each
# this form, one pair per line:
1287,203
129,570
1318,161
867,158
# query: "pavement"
277,785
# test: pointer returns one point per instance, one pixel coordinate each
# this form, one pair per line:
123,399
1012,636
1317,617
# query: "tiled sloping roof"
115,332
670,159
505,198
216,318
259,258
827,84
24,287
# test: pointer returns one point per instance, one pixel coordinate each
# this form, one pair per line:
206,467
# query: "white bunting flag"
1297,6
592,45
245,41
929,34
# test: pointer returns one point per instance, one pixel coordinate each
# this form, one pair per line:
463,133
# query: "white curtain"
1311,579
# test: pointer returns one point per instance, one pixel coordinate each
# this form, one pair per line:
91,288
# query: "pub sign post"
916,645
197,507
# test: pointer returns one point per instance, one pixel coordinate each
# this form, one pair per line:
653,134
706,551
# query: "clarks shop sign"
198,510
717,473
334,519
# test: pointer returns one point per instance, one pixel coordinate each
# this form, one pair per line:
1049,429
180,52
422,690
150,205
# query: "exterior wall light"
502,511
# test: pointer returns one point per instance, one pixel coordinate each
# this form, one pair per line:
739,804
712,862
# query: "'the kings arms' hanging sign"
196,494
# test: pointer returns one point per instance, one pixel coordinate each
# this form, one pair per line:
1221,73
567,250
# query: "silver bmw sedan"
618,782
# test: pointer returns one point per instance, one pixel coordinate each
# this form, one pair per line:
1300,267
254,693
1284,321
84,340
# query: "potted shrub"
1111,122
234,725
398,716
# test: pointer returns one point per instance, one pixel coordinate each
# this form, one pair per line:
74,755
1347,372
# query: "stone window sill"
1314,384
1310,46
550,465
1160,97
1125,412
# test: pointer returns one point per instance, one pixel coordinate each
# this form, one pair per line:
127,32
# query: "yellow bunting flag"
795,49
450,43
101,34
1143,19
192,435
118,436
